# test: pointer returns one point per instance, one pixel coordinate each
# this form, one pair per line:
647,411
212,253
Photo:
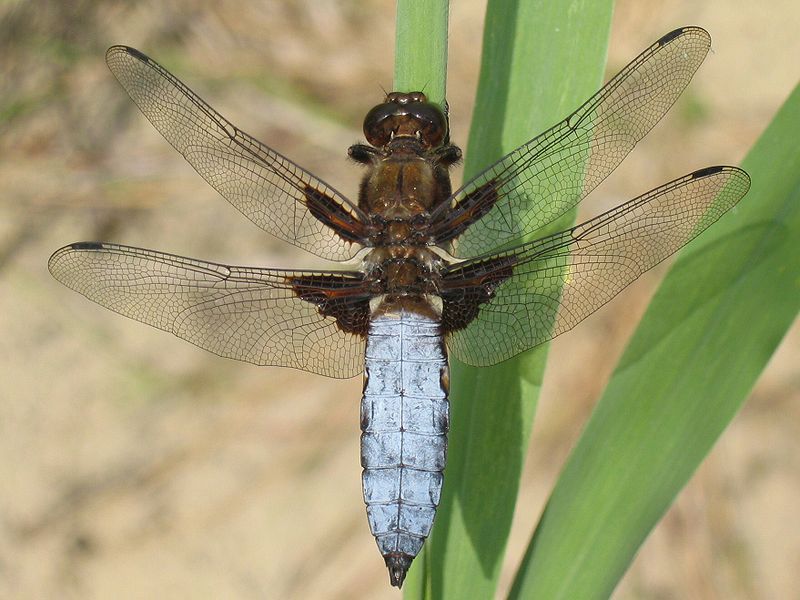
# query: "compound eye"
408,115
379,125
430,121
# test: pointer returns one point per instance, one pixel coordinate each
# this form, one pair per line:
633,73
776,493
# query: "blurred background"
136,465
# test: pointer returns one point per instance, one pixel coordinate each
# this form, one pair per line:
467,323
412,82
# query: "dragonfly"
425,272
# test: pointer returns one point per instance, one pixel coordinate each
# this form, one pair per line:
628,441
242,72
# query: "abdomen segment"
404,423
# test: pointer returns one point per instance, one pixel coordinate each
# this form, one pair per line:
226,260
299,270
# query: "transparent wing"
269,189
544,178
528,295
248,314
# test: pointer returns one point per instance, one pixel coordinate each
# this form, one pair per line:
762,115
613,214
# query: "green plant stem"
420,61
706,337
541,60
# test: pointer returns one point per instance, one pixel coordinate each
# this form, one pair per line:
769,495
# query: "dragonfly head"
407,115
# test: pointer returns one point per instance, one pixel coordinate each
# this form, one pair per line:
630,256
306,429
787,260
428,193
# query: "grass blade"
540,61
707,335
420,62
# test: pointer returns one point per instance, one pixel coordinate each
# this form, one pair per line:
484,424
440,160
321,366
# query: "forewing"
269,189
528,295
544,178
248,314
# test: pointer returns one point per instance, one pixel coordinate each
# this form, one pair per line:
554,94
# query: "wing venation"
265,186
499,305
249,314
544,178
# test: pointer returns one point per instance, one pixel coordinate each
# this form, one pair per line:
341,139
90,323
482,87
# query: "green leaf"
707,335
420,61
540,61
420,64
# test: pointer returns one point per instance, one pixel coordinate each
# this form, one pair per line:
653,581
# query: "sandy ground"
136,466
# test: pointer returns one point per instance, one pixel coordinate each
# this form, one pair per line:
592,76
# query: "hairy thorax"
399,187
400,190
